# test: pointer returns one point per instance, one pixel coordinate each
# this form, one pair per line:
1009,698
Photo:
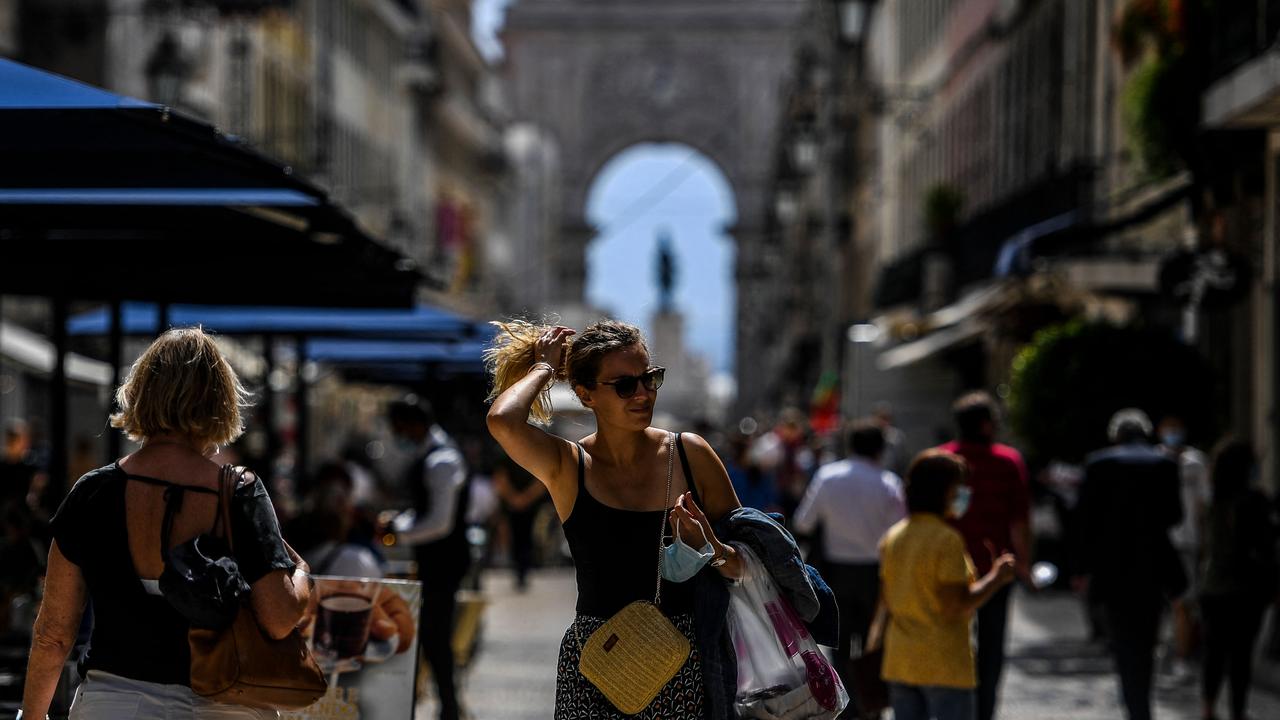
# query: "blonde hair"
182,384
510,356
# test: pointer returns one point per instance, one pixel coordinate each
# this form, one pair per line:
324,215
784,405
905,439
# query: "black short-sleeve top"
136,634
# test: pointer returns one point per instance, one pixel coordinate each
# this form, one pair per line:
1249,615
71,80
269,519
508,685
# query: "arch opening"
640,196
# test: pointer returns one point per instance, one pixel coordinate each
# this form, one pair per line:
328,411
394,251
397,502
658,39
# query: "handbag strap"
657,595
662,524
228,479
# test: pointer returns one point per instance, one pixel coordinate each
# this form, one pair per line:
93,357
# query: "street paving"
1053,672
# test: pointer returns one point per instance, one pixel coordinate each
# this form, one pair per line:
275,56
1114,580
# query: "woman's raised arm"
544,455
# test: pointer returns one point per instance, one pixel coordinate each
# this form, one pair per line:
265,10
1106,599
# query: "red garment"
1001,498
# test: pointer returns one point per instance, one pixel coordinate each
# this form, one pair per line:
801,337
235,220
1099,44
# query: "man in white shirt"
854,502
437,481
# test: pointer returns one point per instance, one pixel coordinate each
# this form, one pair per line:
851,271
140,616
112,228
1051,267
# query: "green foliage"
1160,101
1156,113
1068,381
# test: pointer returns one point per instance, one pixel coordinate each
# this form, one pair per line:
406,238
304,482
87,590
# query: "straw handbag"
637,651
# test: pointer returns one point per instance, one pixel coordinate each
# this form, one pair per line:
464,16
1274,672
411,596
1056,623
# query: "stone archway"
603,75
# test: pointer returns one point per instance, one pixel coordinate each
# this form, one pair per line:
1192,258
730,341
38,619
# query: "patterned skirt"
577,699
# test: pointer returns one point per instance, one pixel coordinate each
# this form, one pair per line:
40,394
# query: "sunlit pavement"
1053,672
514,675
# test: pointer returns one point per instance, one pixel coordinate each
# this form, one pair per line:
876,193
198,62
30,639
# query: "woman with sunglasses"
610,491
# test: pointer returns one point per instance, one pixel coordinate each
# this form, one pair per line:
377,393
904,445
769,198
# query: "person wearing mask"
998,515
1127,566
930,592
437,480
1240,576
854,502
1193,472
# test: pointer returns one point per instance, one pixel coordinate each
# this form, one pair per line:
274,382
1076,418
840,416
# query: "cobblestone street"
1053,672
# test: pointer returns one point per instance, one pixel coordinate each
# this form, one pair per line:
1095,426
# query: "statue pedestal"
684,393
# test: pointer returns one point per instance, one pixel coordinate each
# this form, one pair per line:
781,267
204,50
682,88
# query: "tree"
1071,377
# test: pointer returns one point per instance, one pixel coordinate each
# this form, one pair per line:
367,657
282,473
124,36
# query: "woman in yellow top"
929,593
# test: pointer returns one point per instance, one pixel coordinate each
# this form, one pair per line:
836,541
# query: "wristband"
546,365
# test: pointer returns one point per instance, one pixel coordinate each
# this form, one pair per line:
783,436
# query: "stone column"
570,260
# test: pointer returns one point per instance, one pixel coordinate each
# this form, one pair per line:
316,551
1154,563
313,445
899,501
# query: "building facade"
997,191
386,104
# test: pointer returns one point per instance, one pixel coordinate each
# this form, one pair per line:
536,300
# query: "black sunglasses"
626,385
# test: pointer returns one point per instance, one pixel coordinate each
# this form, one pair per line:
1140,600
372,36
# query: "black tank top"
615,552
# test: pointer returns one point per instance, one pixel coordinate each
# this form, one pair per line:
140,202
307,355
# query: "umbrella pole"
58,404
269,403
303,421
2,421
116,343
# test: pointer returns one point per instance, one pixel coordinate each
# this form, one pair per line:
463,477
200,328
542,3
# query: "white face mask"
960,502
681,562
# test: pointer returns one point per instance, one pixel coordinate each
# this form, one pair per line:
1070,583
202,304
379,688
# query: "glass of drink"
344,616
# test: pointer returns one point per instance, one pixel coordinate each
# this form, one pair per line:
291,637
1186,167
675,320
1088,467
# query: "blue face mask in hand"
681,562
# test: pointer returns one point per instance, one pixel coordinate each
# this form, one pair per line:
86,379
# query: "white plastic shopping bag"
781,673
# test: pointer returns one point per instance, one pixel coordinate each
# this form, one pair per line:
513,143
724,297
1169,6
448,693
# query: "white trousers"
103,696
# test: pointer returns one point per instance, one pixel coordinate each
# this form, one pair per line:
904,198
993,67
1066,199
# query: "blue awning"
106,197
420,322
381,352
209,197
1016,252
399,362
26,88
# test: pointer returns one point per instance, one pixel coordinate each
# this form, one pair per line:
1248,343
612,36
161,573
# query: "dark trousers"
521,525
857,590
1231,625
439,605
993,620
1133,624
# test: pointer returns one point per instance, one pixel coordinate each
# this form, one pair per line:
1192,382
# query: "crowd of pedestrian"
916,551
1171,550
